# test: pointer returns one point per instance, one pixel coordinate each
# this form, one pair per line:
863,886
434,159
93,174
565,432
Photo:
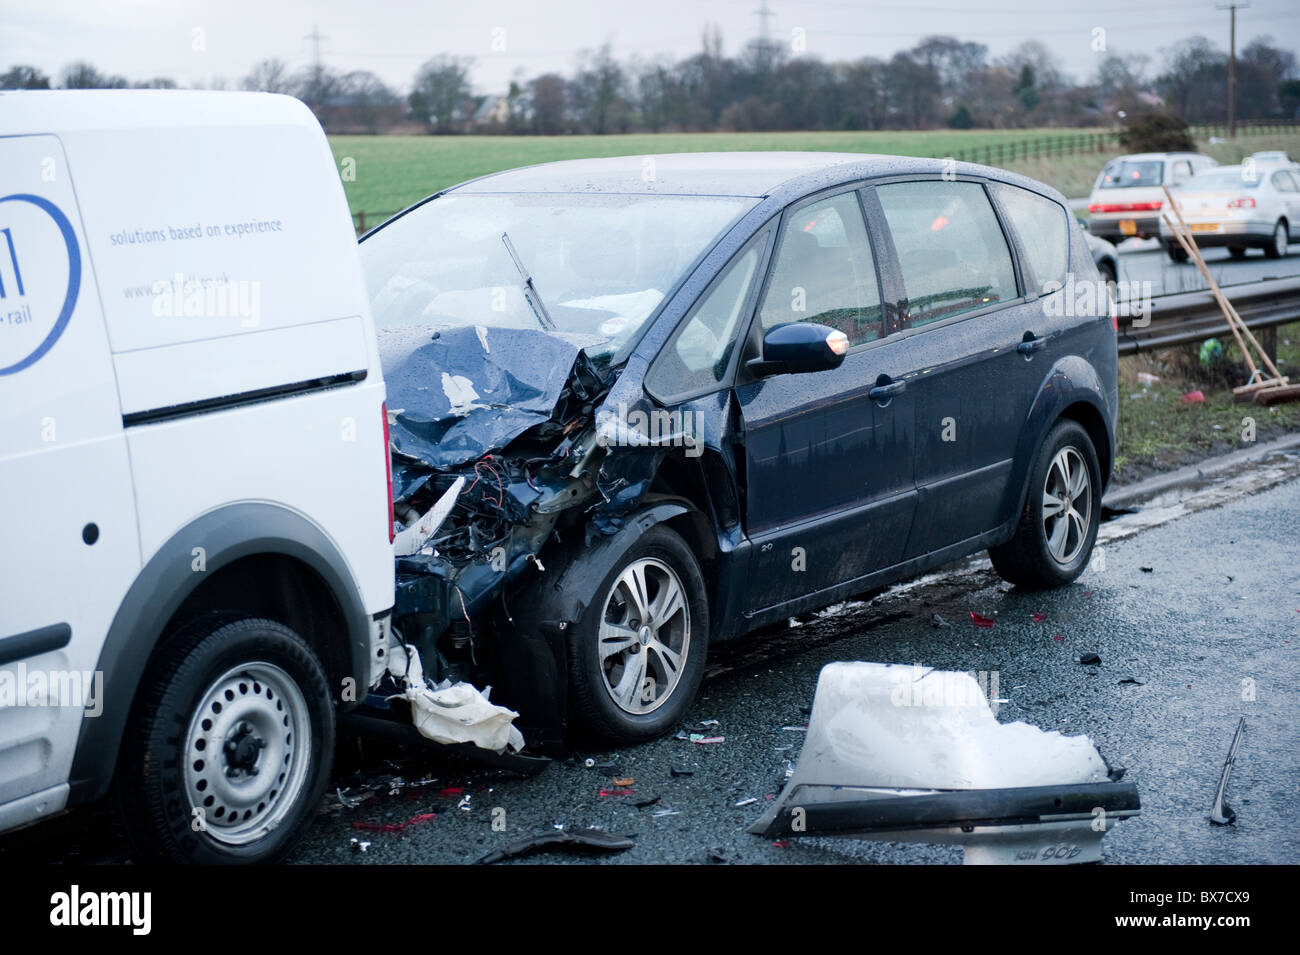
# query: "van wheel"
1176,252
636,658
1058,526
1237,251
229,745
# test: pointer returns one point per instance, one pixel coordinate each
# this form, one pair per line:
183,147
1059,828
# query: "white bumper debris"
455,712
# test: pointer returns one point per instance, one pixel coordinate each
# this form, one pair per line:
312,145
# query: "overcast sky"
144,38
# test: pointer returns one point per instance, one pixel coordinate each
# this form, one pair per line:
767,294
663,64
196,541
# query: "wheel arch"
255,558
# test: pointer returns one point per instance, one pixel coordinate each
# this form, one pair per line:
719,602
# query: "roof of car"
1147,157
740,174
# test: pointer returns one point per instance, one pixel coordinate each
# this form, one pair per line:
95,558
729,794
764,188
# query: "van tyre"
636,657
229,745
1058,526
1176,252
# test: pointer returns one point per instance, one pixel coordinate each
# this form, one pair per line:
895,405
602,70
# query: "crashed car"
643,405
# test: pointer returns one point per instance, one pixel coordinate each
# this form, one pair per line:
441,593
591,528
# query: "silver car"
1240,207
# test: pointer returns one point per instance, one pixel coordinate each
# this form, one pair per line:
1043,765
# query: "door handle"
1031,344
883,392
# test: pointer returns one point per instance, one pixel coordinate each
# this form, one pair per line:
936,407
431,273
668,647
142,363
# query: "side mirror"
798,347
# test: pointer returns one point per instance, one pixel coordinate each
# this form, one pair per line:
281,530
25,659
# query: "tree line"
942,81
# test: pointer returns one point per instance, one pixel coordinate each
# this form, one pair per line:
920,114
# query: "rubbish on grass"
577,839
938,621
623,780
1196,397
900,753
1221,814
980,620
1136,681
358,846
746,802
1089,658
682,772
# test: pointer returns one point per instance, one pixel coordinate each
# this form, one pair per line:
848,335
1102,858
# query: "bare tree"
441,84
269,76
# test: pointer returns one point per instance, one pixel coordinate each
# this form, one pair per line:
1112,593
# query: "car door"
1288,191
69,547
827,455
980,349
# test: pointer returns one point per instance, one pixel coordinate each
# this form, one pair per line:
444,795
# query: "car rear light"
388,469
1243,203
1125,206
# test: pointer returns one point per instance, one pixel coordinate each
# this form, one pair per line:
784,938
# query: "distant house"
492,111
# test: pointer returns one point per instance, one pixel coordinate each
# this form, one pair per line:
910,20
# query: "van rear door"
69,546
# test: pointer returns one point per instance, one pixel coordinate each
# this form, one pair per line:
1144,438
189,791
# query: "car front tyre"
229,745
1054,537
636,658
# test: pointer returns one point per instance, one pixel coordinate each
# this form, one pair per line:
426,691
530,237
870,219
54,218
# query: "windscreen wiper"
531,295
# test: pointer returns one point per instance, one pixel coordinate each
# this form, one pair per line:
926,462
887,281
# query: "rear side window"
1284,182
952,252
824,271
1043,230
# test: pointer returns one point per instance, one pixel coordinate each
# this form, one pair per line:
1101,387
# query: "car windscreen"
600,263
1223,181
1125,174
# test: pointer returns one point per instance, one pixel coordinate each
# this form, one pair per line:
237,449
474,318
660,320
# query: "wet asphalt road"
1220,605
1144,260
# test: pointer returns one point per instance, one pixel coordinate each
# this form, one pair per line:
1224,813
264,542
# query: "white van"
195,533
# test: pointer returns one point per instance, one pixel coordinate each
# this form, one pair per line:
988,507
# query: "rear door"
967,313
828,469
69,547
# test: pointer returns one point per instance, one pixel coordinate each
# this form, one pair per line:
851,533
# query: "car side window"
1042,227
699,351
1181,170
1283,182
951,249
825,272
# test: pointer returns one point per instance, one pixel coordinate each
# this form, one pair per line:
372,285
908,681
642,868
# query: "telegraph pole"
1232,64
764,14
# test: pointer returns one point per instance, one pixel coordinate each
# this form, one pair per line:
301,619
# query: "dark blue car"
642,405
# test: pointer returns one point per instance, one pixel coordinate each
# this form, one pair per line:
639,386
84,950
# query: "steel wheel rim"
247,752
1065,525
1280,239
644,636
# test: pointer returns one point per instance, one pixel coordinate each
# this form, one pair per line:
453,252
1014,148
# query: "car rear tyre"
1237,251
1058,526
1278,247
229,745
1176,252
636,658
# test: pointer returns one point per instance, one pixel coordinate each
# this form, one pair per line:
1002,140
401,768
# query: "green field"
394,171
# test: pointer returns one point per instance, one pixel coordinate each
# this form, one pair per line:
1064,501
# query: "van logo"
35,306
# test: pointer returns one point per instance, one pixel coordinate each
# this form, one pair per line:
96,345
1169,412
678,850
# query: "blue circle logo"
11,267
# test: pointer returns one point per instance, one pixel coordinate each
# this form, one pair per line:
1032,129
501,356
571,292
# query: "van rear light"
388,469
1246,202
1125,206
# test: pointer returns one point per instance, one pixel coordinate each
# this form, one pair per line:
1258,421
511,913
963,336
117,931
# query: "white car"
196,563
1240,207
1127,197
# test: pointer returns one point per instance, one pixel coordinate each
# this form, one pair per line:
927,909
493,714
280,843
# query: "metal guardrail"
1186,317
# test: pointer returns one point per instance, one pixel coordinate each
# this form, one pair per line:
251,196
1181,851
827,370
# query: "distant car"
1272,157
862,367
1239,207
1127,197
1104,256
